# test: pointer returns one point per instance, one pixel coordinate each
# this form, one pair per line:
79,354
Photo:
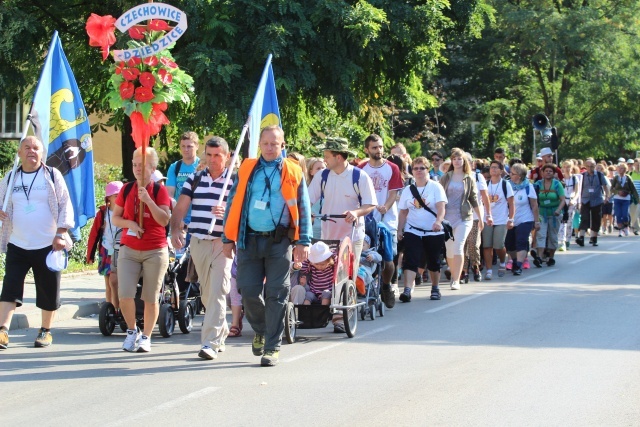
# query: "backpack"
355,178
156,189
177,169
504,185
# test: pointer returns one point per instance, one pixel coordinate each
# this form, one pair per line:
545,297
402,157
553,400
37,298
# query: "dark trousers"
264,266
590,217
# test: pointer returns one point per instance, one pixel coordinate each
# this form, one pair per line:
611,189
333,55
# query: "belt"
251,231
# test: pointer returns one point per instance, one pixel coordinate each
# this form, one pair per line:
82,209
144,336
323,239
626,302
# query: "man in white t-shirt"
341,195
387,181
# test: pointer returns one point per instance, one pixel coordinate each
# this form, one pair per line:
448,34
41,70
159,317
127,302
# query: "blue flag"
264,109
60,121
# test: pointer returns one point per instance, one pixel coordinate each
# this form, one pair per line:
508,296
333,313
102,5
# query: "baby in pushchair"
315,276
369,260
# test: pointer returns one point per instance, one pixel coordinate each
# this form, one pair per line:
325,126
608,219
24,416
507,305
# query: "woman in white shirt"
572,191
420,229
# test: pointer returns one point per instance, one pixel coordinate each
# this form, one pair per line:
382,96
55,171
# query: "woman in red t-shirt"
143,250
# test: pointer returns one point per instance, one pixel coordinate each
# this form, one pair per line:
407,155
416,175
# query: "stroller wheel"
166,320
372,309
380,305
185,317
107,319
363,312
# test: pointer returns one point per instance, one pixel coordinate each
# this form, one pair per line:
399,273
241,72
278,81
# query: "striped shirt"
204,198
319,280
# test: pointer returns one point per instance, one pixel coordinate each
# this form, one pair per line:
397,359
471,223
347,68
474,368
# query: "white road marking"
164,406
329,347
583,259
622,246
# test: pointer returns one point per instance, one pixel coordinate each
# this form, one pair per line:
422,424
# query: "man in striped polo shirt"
212,266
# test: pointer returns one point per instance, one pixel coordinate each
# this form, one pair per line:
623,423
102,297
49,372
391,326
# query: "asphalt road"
555,346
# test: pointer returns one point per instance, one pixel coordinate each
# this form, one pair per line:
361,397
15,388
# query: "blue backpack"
355,177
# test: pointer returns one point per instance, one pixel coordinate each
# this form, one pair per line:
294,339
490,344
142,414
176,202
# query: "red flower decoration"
101,31
165,76
147,79
158,119
151,61
158,25
137,32
142,131
130,73
169,63
126,90
120,67
144,94
134,61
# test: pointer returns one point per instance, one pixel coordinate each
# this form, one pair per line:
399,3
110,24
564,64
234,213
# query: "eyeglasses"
436,159
419,168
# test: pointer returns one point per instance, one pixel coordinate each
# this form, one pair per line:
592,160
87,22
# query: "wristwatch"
60,235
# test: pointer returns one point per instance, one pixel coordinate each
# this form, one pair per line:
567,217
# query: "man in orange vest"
267,212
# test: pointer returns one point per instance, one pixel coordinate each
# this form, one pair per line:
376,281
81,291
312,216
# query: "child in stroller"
315,276
369,260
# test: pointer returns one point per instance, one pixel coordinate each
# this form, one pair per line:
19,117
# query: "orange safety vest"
291,177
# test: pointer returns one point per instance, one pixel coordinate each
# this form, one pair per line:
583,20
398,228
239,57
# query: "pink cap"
113,187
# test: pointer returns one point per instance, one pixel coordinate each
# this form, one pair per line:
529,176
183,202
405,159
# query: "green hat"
340,145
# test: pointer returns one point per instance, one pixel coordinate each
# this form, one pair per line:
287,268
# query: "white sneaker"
626,231
488,275
455,285
145,344
208,353
132,341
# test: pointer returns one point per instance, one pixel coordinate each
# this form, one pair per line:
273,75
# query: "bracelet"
60,235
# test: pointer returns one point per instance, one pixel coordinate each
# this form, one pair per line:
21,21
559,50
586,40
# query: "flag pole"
232,164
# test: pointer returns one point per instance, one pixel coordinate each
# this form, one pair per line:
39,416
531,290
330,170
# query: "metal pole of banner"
232,164
533,155
12,178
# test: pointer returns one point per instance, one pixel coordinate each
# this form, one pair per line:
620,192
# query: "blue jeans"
264,266
621,212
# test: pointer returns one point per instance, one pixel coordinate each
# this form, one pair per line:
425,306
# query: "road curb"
33,318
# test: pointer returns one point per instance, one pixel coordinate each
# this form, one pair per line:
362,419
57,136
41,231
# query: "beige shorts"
152,265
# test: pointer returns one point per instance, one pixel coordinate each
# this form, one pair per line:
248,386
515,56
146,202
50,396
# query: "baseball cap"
157,176
57,260
545,151
630,161
113,188
621,160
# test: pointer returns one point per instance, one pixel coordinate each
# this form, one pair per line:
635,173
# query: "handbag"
446,225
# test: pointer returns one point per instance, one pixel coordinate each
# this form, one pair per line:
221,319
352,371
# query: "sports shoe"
568,244
4,339
435,294
389,298
501,270
455,285
537,261
132,341
447,274
620,233
145,344
405,298
476,274
626,231
418,280
488,275
257,346
517,271
44,339
509,265
270,358
525,264
610,228
551,262
580,241
562,248
636,232
207,353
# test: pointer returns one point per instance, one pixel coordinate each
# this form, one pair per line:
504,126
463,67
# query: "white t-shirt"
339,197
385,178
431,194
33,224
522,206
499,205
481,184
112,233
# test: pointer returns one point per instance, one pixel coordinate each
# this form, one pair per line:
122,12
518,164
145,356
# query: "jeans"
621,212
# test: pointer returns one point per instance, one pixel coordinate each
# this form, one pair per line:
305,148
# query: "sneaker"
568,244
610,229
405,298
476,274
270,358
488,275
580,241
551,262
517,271
389,298
4,339
509,265
525,264
636,232
145,344
562,248
338,328
620,233
501,270
44,339
447,274
257,346
626,231
537,261
207,353
435,294
418,280
132,341
455,285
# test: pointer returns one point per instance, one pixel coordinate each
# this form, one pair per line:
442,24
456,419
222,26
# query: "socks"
407,291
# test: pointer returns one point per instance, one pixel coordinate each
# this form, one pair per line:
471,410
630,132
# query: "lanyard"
267,181
31,186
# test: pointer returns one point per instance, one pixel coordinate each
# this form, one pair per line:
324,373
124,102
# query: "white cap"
545,151
157,176
621,160
630,161
57,260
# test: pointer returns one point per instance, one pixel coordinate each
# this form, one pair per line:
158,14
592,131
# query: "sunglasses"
419,168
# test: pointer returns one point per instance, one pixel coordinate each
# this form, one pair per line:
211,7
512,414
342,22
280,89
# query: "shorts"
422,250
152,264
607,209
493,236
517,238
18,263
104,262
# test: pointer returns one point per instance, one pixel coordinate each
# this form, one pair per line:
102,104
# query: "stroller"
371,283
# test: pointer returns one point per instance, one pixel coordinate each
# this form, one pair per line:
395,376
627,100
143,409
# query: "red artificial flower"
119,67
165,76
134,61
141,130
130,73
144,94
147,79
168,62
137,32
101,31
158,25
126,90
157,118
151,61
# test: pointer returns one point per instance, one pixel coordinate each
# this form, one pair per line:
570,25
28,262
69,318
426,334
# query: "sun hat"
113,188
621,160
157,176
319,252
57,260
340,145
545,151
630,161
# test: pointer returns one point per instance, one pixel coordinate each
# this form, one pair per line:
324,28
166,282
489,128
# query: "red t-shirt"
155,235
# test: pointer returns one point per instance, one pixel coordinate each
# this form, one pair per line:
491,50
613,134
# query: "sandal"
234,332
